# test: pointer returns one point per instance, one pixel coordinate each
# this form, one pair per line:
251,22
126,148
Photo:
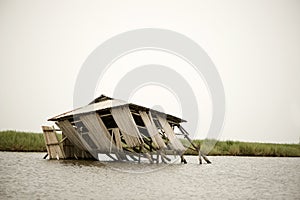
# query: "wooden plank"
72,151
71,133
175,143
98,132
152,130
105,115
127,126
68,148
45,129
117,135
54,148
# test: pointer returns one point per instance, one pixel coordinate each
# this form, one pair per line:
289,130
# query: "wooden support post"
133,158
183,160
147,155
197,148
140,149
151,149
200,160
165,157
108,154
205,158
162,159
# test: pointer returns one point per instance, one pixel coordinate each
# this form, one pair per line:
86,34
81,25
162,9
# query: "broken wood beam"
197,148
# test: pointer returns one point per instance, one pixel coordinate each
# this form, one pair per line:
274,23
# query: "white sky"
255,46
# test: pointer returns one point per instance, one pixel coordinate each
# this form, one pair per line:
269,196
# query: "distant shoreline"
15,141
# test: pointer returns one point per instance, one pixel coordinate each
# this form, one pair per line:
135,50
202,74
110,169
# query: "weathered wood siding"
53,146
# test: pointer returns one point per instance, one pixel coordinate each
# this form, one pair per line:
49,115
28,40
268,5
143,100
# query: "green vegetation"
235,148
23,141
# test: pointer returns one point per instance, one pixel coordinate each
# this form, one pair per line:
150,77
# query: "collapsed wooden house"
119,130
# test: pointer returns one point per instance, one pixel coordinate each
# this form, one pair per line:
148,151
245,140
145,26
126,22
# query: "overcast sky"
255,46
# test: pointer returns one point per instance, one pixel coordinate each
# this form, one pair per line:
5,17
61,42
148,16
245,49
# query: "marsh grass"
26,141
21,141
236,148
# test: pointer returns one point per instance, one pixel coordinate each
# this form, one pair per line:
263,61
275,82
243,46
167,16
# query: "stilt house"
119,130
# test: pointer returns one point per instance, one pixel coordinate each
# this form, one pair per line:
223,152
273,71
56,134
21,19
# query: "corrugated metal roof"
101,103
91,107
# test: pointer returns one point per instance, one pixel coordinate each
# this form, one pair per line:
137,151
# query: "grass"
236,148
21,141
34,142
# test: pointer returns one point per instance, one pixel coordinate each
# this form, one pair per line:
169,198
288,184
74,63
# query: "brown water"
28,176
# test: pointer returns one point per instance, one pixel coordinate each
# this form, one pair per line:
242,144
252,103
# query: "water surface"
28,176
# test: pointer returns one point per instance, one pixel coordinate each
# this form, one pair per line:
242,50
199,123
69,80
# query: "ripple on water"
28,176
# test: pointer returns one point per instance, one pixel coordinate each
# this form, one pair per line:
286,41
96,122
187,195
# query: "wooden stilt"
149,157
157,157
140,148
111,157
165,157
162,159
183,160
205,158
200,160
133,158
185,134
